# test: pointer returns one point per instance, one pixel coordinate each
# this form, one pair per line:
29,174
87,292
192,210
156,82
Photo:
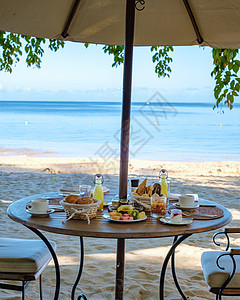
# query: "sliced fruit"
134,214
116,217
124,218
142,215
125,207
113,213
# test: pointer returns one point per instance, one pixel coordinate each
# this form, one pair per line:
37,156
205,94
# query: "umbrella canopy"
214,23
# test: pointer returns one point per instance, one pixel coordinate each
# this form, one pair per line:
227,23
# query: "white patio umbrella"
214,23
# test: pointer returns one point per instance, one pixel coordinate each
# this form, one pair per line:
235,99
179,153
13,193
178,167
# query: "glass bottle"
98,191
163,175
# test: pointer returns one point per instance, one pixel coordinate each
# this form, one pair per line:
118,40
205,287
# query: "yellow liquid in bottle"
98,194
164,186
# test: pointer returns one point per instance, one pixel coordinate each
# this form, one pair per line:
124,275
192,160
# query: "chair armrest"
226,231
235,251
232,230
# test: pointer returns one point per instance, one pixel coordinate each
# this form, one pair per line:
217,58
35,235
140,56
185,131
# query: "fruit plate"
168,221
106,216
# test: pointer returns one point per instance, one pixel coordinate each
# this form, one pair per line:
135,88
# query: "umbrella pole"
126,106
124,154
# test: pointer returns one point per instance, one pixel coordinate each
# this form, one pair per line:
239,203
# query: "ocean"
159,130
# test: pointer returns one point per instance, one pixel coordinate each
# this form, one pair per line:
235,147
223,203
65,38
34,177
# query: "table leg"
120,269
174,272
54,256
79,272
176,242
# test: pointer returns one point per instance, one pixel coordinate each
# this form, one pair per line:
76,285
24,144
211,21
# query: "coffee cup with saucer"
186,202
38,207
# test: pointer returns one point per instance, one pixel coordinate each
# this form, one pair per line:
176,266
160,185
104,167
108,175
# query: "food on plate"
141,188
176,215
132,215
142,215
157,189
125,209
72,199
126,217
148,191
75,199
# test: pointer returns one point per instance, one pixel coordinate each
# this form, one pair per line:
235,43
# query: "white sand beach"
25,176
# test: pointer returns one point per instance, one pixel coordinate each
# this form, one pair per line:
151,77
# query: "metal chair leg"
54,256
40,287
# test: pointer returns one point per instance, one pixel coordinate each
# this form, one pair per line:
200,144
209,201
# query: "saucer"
39,214
195,205
170,222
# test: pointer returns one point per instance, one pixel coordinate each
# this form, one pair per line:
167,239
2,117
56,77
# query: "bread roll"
85,200
72,199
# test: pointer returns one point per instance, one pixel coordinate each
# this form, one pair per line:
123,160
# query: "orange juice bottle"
163,181
98,191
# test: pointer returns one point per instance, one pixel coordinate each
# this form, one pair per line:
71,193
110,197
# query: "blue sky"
79,74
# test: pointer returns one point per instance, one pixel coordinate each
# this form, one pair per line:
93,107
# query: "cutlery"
207,205
199,215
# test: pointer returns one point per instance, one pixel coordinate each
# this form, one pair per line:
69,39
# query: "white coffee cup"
38,206
186,200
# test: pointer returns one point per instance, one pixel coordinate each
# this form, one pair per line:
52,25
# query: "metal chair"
221,269
24,261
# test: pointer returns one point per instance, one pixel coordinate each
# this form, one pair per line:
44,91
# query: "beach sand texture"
25,176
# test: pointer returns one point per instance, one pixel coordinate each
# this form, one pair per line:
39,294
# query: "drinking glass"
158,206
85,190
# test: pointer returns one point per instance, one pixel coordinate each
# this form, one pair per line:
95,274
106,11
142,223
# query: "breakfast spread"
144,197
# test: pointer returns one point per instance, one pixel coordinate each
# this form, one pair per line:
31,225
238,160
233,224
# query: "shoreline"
37,153
151,168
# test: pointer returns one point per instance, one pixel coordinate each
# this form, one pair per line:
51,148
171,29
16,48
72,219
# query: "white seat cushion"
214,276
23,256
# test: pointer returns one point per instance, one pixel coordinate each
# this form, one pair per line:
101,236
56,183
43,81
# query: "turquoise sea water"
159,130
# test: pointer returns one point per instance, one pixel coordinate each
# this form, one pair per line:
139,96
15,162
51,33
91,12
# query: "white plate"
37,214
195,205
169,221
123,221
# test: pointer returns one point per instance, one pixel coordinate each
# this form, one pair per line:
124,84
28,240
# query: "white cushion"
23,256
214,276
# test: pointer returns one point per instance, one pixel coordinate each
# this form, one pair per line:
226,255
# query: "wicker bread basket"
81,211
